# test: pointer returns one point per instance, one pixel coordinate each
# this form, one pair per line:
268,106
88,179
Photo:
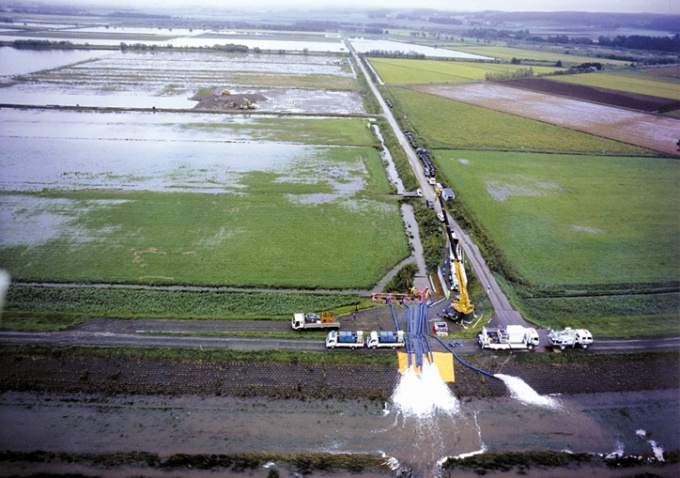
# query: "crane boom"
461,304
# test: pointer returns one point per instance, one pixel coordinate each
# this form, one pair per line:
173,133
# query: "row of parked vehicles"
519,337
512,337
423,155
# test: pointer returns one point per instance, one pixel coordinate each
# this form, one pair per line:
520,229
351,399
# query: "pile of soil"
221,100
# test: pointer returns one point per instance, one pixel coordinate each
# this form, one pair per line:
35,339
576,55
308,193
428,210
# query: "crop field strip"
399,71
641,129
641,83
508,53
475,127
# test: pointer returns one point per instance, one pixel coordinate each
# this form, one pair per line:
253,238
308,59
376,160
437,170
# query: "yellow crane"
462,303
463,309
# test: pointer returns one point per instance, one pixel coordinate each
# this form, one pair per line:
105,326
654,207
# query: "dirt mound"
221,99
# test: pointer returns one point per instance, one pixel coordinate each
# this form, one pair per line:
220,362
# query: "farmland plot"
589,232
170,80
402,72
646,130
141,199
449,124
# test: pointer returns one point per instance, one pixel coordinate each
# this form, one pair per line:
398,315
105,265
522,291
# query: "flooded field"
169,80
600,424
166,197
161,37
364,45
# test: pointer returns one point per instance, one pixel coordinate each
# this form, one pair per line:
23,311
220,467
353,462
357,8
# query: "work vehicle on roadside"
570,338
310,320
511,337
345,338
440,329
385,339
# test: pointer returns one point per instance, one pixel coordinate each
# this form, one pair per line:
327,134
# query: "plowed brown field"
642,129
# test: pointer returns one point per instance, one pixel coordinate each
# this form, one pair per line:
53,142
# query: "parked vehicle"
511,337
385,338
345,338
311,320
440,329
570,338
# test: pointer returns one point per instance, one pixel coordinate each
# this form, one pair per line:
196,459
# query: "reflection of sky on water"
169,165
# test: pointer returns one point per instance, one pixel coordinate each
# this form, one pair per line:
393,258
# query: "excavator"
247,105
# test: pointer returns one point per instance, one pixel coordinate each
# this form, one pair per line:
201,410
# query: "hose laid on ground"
446,346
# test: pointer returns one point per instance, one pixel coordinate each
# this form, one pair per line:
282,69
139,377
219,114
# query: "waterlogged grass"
640,83
580,241
323,223
263,240
315,81
58,307
326,132
400,72
451,124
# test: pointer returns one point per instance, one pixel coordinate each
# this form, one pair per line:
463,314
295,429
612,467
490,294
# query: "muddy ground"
222,99
648,130
599,95
53,372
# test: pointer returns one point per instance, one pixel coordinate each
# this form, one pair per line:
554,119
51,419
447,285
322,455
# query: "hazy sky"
632,6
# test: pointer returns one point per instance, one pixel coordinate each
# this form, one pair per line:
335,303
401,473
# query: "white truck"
385,338
511,337
310,320
345,338
570,338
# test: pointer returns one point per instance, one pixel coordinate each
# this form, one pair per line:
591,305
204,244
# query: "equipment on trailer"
311,320
570,338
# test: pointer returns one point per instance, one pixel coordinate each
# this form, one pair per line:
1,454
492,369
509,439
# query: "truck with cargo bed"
345,338
509,338
310,320
570,338
385,339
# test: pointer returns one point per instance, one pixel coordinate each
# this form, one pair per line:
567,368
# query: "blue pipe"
460,359
394,317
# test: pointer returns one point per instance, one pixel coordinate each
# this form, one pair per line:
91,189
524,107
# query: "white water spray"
521,391
4,285
656,448
422,395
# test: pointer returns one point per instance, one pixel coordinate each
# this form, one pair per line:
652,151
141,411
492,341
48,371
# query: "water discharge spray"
521,391
422,395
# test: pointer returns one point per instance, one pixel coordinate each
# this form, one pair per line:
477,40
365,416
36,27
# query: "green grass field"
522,54
641,83
451,124
403,72
575,220
589,233
324,221
268,237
